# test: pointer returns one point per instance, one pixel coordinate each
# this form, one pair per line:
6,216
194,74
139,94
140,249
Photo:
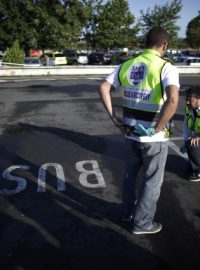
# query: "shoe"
153,228
194,176
127,218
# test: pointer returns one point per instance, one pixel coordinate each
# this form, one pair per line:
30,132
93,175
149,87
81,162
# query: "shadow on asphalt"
62,231
75,230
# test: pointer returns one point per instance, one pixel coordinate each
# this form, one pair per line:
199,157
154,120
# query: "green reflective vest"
193,122
140,80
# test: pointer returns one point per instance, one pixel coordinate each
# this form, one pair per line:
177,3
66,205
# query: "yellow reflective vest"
140,80
193,120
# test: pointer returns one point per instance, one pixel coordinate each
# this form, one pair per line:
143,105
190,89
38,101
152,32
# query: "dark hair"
156,37
193,91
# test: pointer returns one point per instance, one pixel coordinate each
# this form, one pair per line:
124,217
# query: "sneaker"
127,218
153,228
194,176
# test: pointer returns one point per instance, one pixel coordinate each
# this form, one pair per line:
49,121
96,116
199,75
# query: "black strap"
162,88
140,115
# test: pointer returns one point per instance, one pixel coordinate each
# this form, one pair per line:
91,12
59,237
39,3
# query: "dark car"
71,56
99,58
121,57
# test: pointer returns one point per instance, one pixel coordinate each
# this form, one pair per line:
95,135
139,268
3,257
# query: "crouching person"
191,132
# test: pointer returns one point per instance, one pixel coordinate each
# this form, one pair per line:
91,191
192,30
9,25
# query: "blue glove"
142,131
183,149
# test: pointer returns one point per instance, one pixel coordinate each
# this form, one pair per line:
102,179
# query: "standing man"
149,87
191,132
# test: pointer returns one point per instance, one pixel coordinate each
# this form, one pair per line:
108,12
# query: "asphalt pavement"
61,183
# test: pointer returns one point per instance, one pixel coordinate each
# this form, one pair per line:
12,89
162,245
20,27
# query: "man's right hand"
124,128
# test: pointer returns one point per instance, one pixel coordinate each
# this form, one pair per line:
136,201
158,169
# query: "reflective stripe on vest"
140,80
193,123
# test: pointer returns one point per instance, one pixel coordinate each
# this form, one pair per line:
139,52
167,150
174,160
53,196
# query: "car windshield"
72,54
82,54
180,60
59,55
31,61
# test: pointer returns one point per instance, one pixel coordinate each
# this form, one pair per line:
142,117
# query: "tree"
90,30
9,22
51,24
14,54
164,16
113,25
61,22
192,32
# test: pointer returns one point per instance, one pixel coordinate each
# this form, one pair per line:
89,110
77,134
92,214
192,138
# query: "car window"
181,60
59,55
71,54
82,54
35,61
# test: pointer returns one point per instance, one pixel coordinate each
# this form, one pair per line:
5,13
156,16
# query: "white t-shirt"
169,76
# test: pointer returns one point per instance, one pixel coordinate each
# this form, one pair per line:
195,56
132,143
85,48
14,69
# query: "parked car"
107,58
32,62
74,57
99,58
53,59
82,58
187,60
71,56
36,53
169,57
121,57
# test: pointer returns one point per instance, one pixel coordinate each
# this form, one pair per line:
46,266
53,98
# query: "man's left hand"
142,131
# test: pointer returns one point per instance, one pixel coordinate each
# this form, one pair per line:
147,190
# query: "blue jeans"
193,155
142,204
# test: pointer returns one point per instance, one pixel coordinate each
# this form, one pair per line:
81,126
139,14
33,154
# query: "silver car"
187,61
82,58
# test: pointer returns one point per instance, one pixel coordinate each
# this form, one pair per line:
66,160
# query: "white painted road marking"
83,178
21,181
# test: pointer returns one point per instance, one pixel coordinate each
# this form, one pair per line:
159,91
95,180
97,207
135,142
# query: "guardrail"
73,70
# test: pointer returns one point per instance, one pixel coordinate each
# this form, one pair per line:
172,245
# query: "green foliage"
14,54
113,26
59,24
164,16
45,24
192,33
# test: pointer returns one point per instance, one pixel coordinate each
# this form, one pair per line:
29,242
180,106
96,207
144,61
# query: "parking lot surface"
61,169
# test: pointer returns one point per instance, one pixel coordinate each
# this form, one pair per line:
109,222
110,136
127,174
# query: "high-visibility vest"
193,120
140,80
